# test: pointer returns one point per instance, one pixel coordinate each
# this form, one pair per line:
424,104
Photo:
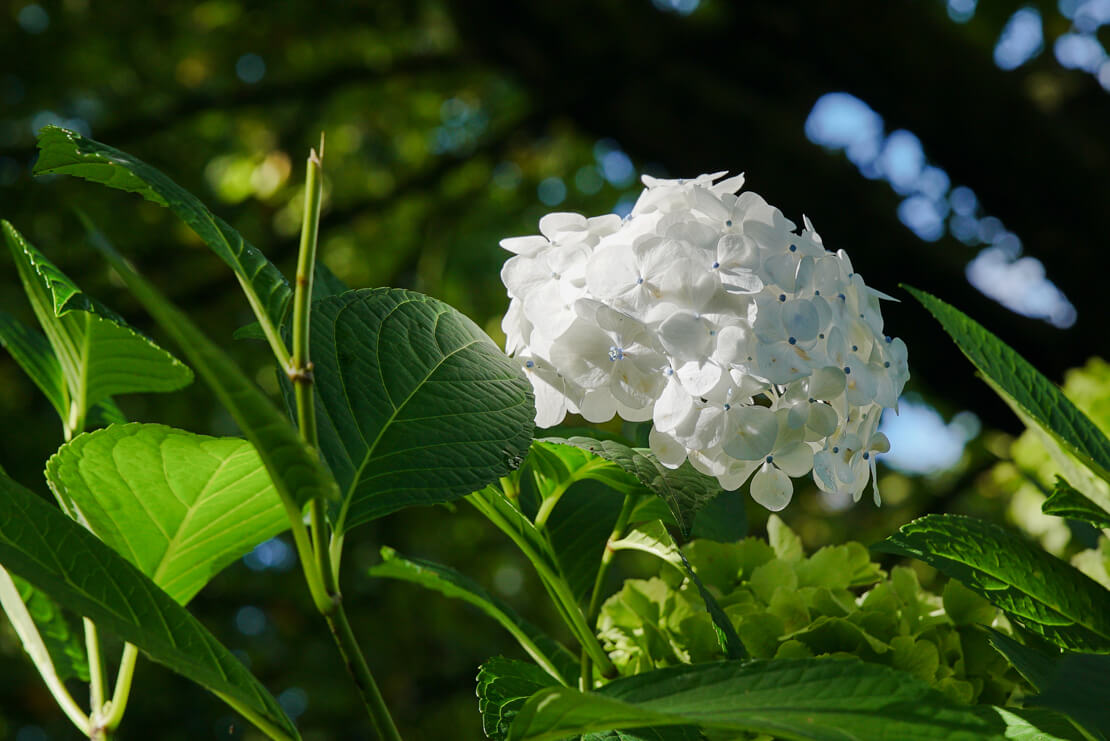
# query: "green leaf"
1023,387
791,699
730,642
416,405
324,285
97,353
1070,683
578,530
295,468
652,537
66,152
684,489
1039,591
724,519
1032,724
551,655
179,506
503,686
82,574
53,643
1065,501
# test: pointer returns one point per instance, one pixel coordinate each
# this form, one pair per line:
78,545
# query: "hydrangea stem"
319,567
619,528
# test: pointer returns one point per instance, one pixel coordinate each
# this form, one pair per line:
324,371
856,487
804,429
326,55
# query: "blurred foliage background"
958,148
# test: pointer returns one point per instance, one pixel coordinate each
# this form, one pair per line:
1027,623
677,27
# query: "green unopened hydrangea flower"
834,603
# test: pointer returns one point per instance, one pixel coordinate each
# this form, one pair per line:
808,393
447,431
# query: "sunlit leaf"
1065,501
94,350
82,574
684,490
179,506
1037,590
1040,403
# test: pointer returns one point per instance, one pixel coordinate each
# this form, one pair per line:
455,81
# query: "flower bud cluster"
751,348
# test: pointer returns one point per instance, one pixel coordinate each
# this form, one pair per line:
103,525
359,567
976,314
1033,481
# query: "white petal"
752,433
781,362
800,320
823,420
525,245
685,336
826,383
669,451
673,406
771,488
612,271
598,405
698,378
795,459
554,224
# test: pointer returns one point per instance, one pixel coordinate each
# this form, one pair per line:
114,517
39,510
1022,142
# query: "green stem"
96,667
321,562
122,689
300,370
595,596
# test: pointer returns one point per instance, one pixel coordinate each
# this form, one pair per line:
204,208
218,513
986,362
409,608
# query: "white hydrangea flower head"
756,353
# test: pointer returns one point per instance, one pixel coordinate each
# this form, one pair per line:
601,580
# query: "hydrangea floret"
750,347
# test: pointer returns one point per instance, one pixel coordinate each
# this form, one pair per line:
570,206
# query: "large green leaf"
551,655
179,506
416,405
819,699
95,351
1039,591
504,685
295,468
1038,400
82,574
684,489
724,519
1066,501
68,153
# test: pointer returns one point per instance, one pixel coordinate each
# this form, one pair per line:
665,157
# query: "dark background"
451,125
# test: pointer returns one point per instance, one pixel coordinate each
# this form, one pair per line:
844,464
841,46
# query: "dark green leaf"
545,651
684,490
32,352
1065,501
1071,683
724,519
97,354
68,153
1039,591
726,633
295,468
82,574
1031,394
578,530
791,699
503,687
416,405
179,506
